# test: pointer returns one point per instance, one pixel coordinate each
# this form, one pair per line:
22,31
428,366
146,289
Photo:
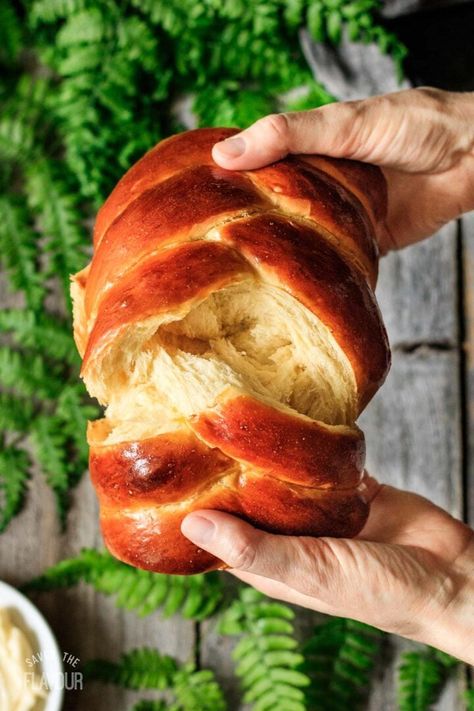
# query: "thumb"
398,130
311,566
328,130
376,583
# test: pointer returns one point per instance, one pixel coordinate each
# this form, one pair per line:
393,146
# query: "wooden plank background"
416,428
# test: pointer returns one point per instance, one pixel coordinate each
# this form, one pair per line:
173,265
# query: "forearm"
452,630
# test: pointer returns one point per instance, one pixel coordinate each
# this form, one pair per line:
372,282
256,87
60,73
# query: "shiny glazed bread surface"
227,321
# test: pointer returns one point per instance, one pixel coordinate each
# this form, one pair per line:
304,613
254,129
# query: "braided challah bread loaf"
227,321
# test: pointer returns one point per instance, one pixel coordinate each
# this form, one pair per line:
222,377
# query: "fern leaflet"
197,689
11,35
139,669
14,475
48,334
52,199
420,678
29,374
268,663
339,658
16,413
50,447
19,250
195,597
148,669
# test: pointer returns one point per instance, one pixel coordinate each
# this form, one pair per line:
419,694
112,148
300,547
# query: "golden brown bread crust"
176,230
146,533
184,207
297,450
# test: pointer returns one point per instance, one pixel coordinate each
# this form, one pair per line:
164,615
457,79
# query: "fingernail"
199,529
231,147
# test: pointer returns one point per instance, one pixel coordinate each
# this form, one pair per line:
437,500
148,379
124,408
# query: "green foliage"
469,696
195,597
14,475
19,250
50,335
54,204
10,32
139,669
197,689
148,669
15,413
268,663
41,401
421,676
339,659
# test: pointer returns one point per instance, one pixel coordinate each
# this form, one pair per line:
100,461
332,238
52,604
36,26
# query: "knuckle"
430,93
279,127
242,554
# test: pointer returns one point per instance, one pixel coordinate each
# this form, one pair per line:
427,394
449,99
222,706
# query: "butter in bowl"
31,673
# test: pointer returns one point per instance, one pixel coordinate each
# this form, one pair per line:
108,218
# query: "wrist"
451,627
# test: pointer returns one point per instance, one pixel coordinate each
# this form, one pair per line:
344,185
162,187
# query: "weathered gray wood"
351,70
414,434
467,225
413,425
417,292
413,428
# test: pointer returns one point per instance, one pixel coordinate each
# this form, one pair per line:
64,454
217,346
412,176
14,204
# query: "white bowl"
30,620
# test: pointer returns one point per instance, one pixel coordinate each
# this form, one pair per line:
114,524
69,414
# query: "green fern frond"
29,374
11,35
49,11
139,669
268,663
230,104
16,413
197,689
446,660
50,447
149,669
68,572
339,658
23,120
420,678
49,334
19,250
74,413
195,597
17,138
14,475
84,27
51,198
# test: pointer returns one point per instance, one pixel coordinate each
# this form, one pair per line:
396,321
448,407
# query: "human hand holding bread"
262,281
